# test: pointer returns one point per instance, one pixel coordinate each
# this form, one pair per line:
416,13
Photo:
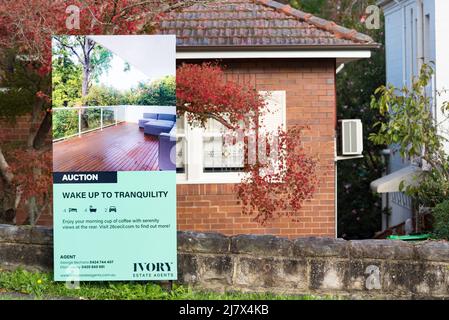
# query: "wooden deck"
118,148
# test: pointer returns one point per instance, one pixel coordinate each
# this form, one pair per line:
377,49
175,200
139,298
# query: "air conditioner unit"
351,137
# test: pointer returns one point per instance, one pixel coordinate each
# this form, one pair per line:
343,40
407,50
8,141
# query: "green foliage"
103,96
80,49
441,220
19,85
67,79
65,123
100,60
409,123
411,130
156,93
309,6
25,282
431,190
41,286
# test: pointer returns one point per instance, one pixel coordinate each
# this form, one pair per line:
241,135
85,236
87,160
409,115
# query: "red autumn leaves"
203,91
269,188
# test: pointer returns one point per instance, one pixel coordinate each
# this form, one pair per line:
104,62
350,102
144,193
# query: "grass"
41,286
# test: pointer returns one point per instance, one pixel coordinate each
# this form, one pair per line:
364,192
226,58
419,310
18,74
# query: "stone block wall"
260,263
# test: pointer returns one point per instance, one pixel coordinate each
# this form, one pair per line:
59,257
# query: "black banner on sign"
84,177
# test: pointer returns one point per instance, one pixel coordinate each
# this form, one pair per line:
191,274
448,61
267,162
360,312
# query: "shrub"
156,93
103,96
441,222
65,123
432,189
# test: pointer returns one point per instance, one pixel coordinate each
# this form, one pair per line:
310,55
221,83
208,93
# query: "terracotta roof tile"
255,23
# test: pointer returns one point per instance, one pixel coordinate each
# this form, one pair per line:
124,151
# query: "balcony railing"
75,121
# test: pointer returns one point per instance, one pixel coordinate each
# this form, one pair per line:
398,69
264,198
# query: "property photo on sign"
111,111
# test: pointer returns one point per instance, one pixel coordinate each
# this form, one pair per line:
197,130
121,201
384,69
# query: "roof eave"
372,46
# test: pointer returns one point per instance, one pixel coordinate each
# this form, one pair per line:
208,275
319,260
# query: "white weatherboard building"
416,32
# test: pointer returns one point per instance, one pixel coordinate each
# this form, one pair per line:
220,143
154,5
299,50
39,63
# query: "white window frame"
193,155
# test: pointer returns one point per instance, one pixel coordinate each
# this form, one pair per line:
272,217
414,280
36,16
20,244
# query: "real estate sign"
114,179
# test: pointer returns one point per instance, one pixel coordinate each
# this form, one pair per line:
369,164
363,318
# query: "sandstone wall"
371,268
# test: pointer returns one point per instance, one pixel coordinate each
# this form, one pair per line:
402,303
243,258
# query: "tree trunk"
36,114
86,75
40,138
86,81
10,193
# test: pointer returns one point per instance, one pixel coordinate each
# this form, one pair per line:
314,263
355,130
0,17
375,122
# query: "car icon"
112,209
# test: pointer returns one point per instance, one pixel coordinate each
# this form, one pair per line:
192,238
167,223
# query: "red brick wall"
14,134
311,100
310,86
15,131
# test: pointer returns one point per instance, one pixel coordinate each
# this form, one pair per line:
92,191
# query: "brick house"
289,53
294,56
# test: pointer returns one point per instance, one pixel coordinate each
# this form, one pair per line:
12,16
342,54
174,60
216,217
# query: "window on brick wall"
218,155
203,155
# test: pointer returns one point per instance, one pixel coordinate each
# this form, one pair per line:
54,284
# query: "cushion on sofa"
156,127
161,123
150,116
163,116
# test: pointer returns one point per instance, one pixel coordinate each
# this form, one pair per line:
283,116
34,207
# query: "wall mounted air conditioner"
350,137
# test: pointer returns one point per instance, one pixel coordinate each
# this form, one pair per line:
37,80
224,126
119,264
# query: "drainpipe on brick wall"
336,195
337,71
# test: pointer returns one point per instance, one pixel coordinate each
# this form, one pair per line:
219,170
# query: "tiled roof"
255,23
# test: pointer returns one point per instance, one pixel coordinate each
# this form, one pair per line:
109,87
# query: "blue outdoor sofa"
157,123
163,126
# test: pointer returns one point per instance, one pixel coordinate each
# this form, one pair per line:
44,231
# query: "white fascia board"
321,54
